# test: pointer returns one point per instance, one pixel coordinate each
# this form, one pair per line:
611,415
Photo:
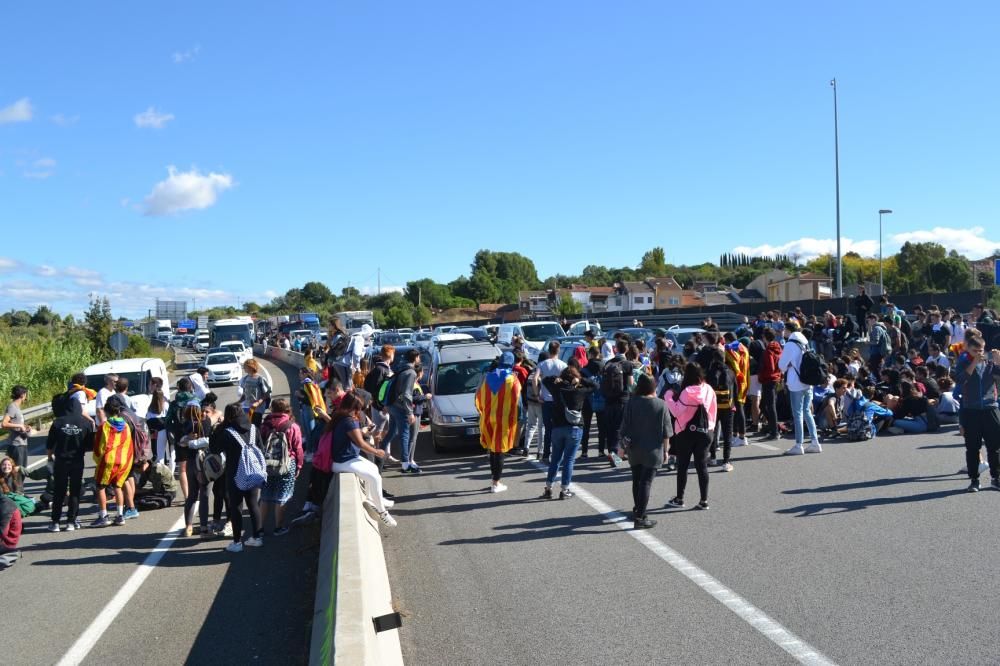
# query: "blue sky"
222,151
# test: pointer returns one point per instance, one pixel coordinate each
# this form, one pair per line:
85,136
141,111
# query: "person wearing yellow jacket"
498,402
738,360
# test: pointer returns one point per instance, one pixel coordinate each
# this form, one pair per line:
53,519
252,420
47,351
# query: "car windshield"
476,333
220,359
421,336
235,347
460,378
136,381
541,332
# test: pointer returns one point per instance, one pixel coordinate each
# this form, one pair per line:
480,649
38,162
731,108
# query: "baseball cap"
507,359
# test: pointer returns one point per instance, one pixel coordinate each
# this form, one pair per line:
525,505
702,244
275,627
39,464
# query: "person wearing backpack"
616,385
550,367
694,409
593,408
399,399
722,380
378,377
70,438
197,429
791,362
569,391
256,392
533,404
231,437
284,459
879,344
738,360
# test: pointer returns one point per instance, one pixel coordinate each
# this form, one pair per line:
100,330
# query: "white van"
581,327
534,333
138,371
243,353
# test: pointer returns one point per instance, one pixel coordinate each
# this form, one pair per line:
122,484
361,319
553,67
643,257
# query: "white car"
201,343
223,368
238,348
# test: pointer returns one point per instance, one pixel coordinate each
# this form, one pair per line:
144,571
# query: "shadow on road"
547,528
832,508
874,483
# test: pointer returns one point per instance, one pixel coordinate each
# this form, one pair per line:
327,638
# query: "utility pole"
380,281
836,164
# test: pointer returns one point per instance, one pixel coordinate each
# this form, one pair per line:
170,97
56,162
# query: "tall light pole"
881,285
836,165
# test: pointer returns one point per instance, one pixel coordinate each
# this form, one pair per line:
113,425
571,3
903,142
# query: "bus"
232,329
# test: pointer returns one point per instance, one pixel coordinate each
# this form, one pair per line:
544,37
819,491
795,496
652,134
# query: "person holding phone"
978,375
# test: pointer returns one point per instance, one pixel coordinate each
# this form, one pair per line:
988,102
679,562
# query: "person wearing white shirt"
800,393
550,367
198,383
103,395
607,350
937,358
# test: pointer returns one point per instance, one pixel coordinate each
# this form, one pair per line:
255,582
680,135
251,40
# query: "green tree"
399,316
596,276
421,315
43,316
654,263
316,293
348,292
950,274
567,307
484,287
19,318
97,323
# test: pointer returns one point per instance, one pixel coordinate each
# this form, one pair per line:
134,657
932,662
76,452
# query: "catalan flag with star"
498,401
113,453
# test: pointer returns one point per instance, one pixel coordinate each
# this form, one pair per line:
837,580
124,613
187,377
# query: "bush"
42,361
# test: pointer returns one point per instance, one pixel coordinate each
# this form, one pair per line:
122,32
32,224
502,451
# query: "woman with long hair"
218,527
156,417
230,437
11,476
347,442
197,428
569,391
256,392
279,489
693,407
646,428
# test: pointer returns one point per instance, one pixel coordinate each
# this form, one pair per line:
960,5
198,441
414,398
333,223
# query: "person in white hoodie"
799,393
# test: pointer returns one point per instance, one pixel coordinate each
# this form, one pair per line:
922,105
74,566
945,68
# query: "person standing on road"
113,454
102,396
533,405
175,426
70,438
279,489
799,392
549,368
646,430
593,408
13,422
401,415
197,428
311,406
199,383
616,385
978,379
229,438
380,372
738,360
256,392
694,408
156,422
498,402
569,391
769,375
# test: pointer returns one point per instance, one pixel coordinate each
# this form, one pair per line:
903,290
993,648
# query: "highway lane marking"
83,645
765,446
770,628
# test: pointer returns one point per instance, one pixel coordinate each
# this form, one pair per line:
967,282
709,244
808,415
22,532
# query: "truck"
164,330
148,329
231,329
203,323
353,320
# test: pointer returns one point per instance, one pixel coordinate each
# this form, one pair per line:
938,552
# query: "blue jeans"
547,426
565,442
307,423
801,404
399,428
912,426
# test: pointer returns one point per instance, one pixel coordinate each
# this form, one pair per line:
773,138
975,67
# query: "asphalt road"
872,553
200,605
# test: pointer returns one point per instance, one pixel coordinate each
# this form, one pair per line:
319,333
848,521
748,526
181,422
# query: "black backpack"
338,347
812,368
722,380
613,380
60,404
699,422
373,383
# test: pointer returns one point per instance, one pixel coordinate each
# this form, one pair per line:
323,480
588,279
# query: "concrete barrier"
352,586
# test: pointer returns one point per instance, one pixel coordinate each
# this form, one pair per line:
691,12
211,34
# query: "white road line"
83,645
755,617
765,446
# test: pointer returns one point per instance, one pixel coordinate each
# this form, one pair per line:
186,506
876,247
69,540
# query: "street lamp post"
881,284
836,164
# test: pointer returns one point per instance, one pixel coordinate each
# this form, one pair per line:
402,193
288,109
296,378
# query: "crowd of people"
815,378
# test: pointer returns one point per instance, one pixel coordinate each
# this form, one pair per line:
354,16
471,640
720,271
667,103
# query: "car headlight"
444,418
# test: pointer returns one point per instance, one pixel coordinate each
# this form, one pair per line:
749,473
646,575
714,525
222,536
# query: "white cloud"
41,168
810,248
186,190
369,290
180,57
18,112
7,265
62,120
968,242
152,118
46,271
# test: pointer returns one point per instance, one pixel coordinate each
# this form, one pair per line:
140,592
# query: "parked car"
243,353
422,339
581,327
444,329
223,368
457,371
567,346
201,343
645,334
680,336
534,333
479,334
138,371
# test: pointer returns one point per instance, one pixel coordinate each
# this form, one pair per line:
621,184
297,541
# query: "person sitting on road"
11,476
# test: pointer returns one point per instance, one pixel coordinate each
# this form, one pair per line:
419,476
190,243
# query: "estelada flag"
497,401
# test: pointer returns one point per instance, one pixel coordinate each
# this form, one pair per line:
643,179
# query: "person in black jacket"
863,304
569,392
70,439
230,437
593,408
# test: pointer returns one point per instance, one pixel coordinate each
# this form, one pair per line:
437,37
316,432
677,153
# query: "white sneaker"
388,503
738,441
814,448
254,542
794,451
498,488
983,467
235,547
387,520
53,527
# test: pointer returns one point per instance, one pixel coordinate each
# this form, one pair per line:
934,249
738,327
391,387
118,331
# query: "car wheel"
437,446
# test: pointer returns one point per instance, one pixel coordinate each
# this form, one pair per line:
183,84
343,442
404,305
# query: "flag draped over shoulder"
112,453
315,395
738,360
497,401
